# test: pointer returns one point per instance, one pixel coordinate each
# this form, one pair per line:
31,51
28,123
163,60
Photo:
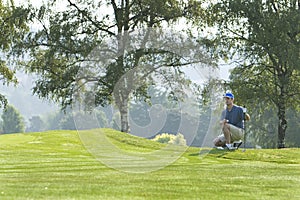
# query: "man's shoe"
230,147
237,144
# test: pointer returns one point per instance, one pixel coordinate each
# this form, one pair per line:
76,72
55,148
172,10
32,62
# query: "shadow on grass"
214,152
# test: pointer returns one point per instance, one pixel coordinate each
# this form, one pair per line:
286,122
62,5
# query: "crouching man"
232,123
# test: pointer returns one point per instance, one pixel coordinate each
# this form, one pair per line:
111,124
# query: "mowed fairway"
56,165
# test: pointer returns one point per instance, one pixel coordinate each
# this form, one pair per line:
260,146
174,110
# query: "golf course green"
65,165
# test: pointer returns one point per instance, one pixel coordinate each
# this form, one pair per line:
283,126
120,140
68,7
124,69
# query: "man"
232,122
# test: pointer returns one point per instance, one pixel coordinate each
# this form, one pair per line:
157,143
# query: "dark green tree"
293,136
265,37
13,121
109,51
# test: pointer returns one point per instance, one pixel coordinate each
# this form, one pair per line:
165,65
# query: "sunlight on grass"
125,153
13,139
56,165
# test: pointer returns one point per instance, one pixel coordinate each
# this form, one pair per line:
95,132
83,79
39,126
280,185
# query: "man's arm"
222,119
246,116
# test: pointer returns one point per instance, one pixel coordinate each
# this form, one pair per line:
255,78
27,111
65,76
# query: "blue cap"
229,95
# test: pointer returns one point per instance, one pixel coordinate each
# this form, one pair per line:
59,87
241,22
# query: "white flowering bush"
167,138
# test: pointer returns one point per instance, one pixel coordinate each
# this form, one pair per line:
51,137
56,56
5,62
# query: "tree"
53,120
83,120
36,124
265,35
262,85
13,27
163,114
83,54
76,120
13,122
293,136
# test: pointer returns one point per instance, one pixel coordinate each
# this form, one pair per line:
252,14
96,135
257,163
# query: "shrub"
167,138
178,140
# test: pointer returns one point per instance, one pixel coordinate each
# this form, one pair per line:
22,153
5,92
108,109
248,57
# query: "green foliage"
262,129
13,122
293,136
164,138
99,58
13,28
264,36
251,83
167,138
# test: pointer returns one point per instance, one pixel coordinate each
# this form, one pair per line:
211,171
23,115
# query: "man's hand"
223,122
247,117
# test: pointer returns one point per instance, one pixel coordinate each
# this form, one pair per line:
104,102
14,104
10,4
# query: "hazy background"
29,105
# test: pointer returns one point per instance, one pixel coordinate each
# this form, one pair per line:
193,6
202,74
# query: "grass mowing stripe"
57,166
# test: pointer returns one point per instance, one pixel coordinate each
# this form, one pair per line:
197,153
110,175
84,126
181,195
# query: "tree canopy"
265,37
13,28
13,121
102,52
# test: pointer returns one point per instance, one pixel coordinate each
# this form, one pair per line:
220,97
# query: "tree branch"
91,20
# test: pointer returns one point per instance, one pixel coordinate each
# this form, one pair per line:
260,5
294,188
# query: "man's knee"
217,142
226,128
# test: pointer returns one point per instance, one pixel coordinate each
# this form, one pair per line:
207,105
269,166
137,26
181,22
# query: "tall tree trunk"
282,125
124,115
121,96
121,10
283,82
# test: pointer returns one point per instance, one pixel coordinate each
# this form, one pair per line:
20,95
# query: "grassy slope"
55,165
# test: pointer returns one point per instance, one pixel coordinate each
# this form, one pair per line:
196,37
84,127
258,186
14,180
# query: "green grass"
56,165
